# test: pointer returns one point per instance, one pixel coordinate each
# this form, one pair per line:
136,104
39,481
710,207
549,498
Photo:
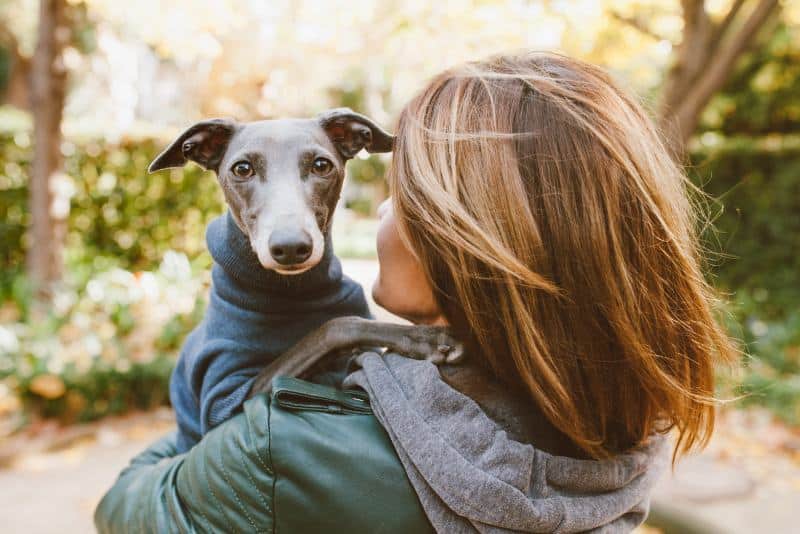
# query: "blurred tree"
38,81
705,58
48,91
761,98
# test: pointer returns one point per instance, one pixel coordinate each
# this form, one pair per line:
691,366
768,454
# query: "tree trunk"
704,60
690,55
48,88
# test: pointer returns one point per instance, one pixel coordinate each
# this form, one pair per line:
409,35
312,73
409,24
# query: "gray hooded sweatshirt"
466,444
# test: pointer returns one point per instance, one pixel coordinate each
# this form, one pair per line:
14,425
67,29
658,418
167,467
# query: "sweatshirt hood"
470,476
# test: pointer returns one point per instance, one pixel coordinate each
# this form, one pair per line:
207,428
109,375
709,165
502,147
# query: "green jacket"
308,458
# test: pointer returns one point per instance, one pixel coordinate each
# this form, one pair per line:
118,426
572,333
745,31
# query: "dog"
275,278
281,178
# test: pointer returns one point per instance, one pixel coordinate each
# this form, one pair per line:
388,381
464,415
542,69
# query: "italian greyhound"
281,180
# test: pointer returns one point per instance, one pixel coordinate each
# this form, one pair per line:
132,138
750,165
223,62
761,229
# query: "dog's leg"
420,342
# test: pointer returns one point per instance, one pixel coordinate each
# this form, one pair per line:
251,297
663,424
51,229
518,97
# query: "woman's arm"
138,501
308,459
224,484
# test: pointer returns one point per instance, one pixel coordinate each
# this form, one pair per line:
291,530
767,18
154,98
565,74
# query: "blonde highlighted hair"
557,232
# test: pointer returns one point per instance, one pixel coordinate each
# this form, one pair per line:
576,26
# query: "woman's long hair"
557,231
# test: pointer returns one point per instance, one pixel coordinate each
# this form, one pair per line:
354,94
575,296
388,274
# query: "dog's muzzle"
290,246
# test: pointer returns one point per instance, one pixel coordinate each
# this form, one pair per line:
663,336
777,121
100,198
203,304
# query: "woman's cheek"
401,286
385,264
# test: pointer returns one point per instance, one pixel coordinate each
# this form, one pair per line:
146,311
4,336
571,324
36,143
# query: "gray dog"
281,180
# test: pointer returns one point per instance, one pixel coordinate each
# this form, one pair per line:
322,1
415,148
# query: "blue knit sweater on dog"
253,316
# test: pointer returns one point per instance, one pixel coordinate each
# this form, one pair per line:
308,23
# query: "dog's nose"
290,246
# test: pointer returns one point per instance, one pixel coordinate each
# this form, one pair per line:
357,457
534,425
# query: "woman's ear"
204,143
350,132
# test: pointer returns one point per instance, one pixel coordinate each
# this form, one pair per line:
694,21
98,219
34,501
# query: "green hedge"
120,215
758,229
755,245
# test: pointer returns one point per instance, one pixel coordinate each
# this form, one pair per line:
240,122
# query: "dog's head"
281,178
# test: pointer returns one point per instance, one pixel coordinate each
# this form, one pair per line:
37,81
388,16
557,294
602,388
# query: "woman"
536,211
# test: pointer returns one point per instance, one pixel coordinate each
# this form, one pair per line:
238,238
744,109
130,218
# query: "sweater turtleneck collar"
231,250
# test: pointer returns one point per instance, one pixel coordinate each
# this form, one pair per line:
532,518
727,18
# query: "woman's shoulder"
306,458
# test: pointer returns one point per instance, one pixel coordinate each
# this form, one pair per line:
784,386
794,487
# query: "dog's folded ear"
351,131
204,143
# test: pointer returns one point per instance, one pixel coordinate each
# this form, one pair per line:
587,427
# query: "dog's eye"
242,169
321,166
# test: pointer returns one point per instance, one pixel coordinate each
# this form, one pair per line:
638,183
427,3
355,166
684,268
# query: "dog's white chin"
291,272
270,264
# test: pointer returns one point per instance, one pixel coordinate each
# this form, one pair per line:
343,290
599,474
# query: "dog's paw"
445,353
433,343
